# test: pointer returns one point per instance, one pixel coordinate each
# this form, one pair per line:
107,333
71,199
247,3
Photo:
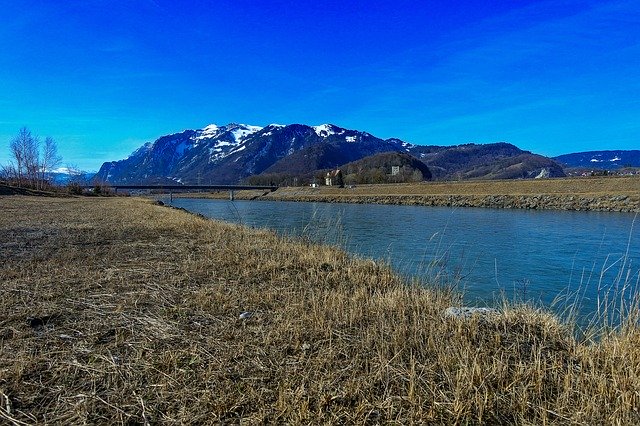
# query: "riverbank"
620,194
117,310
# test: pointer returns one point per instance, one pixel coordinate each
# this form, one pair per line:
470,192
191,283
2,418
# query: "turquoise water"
537,256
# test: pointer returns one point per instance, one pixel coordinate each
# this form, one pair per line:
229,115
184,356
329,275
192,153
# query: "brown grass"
612,193
585,186
628,185
118,311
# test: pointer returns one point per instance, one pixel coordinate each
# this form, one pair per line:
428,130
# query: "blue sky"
103,77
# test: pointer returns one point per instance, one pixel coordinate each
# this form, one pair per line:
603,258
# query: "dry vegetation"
117,311
585,186
628,185
613,193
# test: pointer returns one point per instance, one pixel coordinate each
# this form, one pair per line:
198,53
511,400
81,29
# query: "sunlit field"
117,310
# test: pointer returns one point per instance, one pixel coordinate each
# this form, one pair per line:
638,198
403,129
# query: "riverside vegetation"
620,194
116,310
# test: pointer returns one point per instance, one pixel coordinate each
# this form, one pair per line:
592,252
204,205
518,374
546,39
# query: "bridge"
175,188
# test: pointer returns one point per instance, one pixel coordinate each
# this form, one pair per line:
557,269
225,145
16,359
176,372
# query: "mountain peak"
242,131
210,131
325,130
237,130
210,128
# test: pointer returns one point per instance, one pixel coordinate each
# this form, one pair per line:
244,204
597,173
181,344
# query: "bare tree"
17,152
75,174
77,179
50,157
32,159
7,172
29,165
25,151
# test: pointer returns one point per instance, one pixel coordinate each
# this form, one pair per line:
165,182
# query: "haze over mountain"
229,154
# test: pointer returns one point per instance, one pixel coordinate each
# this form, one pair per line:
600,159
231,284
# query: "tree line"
30,160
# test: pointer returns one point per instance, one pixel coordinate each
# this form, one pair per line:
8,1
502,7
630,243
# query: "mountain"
232,153
606,160
376,168
489,161
229,154
339,147
65,175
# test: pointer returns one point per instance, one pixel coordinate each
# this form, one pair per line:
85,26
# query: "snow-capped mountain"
66,175
607,160
227,154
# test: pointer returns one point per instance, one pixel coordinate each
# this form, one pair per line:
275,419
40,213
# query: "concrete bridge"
179,188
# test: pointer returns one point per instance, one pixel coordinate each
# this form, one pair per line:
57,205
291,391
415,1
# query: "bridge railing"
179,188
191,187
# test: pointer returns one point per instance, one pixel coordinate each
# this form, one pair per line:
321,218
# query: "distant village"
586,173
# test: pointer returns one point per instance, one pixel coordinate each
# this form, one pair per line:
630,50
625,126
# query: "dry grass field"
587,186
119,311
590,186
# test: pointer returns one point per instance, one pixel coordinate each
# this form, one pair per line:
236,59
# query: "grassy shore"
117,310
593,193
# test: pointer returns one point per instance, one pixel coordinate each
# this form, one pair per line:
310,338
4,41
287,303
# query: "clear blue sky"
102,77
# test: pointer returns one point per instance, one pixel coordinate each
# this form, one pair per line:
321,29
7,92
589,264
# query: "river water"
542,257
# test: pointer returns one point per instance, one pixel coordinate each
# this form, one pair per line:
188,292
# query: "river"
549,258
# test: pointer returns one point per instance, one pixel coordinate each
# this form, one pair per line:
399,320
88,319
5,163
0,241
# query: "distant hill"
489,161
469,161
375,168
64,175
378,168
604,160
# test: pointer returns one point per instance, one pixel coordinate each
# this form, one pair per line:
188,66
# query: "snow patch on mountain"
211,131
325,130
238,149
215,154
598,159
272,128
61,170
244,130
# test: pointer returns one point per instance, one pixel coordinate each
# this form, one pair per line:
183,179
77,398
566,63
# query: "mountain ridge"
603,159
231,153
228,154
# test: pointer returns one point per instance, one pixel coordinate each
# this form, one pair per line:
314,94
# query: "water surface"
539,256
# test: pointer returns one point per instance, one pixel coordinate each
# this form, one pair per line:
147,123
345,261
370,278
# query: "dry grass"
576,186
119,311
625,185
613,193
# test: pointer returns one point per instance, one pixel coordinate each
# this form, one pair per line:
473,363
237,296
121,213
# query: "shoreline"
611,194
543,202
